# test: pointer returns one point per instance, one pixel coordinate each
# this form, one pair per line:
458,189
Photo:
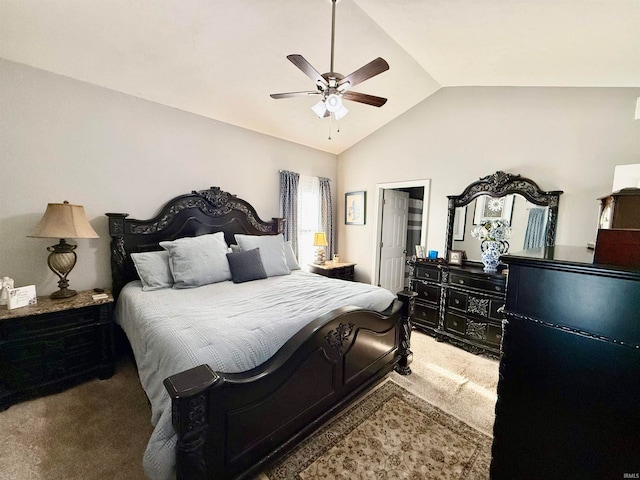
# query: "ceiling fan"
334,87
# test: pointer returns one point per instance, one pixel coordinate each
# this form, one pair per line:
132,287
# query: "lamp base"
64,293
320,256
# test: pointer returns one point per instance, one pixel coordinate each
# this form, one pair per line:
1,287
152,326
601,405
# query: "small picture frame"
420,251
21,297
455,257
355,208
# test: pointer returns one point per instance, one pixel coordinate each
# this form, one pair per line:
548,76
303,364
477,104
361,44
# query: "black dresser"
569,390
459,304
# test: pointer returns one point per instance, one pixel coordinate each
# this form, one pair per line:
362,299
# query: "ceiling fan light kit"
332,86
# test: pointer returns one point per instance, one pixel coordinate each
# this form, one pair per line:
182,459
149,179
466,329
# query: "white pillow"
196,261
292,262
271,251
153,269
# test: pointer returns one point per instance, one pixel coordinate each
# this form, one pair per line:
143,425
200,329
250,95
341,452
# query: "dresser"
459,304
569,389
54,344
342,270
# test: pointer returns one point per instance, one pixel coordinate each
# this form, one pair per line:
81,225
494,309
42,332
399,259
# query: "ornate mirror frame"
500,184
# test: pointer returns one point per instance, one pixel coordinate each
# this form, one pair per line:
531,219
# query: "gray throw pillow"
246,266
153,270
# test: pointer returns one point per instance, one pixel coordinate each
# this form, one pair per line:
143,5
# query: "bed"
237,373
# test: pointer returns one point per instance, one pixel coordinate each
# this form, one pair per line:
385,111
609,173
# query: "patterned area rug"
391,433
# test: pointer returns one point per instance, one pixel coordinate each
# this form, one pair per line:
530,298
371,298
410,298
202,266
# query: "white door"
393,247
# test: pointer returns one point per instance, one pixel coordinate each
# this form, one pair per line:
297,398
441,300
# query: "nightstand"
343,271
50,346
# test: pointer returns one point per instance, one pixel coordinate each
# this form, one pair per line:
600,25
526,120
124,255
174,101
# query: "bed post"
406,355
118,253
189,392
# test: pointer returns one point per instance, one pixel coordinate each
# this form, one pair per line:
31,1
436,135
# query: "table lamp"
63,220
320,242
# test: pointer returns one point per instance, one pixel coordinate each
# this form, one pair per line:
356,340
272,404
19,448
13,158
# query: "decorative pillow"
153,270
196,261
271,251
292,262
246,266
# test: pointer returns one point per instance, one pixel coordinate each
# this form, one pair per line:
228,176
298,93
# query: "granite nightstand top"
48,305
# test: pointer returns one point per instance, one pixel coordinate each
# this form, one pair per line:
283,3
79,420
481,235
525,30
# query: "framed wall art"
493,208
355,208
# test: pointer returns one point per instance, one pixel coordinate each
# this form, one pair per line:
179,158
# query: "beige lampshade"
63,220
320,239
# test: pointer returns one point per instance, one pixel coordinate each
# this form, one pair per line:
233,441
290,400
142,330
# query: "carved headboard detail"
197,213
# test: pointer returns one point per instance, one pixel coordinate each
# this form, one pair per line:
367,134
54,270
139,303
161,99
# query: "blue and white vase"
491,251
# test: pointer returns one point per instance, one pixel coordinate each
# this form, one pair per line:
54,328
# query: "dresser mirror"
531,213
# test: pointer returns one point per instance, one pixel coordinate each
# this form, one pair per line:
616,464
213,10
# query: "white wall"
61,139
566,139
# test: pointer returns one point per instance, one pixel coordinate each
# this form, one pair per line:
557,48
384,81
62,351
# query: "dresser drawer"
457,300
427,292
494,335
488,284
455,323
425,314
39,371
51,346
28,327
427,272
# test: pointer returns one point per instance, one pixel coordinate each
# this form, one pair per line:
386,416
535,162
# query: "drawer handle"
461,282
499,289
498,336
456,301
455,324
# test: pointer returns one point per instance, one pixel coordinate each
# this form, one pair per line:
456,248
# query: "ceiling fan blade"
364,98
294,94
300,62
371,69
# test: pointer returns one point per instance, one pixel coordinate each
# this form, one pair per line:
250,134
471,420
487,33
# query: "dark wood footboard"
230,425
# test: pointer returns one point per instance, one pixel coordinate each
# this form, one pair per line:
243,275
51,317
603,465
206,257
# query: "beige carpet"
95,431
98,430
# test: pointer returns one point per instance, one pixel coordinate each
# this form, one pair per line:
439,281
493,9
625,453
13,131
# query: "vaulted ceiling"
222,58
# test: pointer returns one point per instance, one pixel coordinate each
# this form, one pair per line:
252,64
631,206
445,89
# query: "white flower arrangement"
492,230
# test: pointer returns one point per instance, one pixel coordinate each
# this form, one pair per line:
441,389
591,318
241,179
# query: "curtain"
535,234
289,205
326,210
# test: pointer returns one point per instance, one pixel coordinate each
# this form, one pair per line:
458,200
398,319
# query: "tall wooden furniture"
54,344
621,209
570,371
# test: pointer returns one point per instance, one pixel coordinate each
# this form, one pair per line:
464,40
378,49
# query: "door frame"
377,219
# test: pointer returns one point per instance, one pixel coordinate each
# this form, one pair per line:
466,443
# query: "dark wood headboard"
196,213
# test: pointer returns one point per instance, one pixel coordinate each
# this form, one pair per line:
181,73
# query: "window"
308,217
